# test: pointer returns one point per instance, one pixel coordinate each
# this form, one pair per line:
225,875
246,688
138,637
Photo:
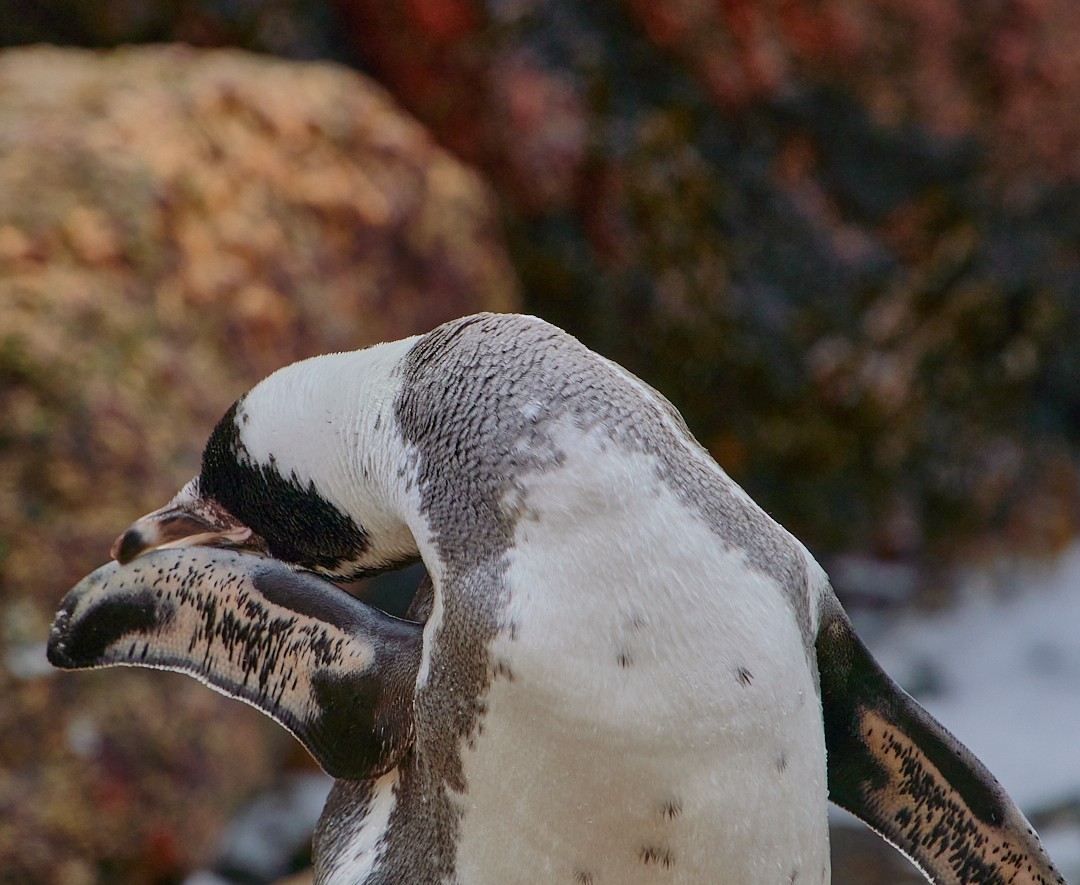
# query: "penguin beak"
186,521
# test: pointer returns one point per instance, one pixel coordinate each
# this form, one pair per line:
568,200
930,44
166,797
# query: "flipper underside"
895,767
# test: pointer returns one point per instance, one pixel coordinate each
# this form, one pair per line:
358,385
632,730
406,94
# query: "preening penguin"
623,670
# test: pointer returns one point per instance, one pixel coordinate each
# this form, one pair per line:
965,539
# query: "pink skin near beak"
186,524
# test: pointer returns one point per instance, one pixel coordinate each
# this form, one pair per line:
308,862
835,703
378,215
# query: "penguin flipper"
892,765
335,672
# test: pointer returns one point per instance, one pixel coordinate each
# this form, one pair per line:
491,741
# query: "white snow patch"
1062,843
1007,660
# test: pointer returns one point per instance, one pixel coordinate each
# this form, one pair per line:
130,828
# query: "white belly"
653,716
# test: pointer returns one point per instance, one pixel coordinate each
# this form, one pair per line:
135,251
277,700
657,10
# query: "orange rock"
173,225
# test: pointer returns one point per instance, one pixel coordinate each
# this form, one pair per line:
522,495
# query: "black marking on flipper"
101,626
335,672
895,767
310,595
348,735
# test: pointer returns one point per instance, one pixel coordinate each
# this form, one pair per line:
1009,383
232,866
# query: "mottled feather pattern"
929,818
895,767
332,671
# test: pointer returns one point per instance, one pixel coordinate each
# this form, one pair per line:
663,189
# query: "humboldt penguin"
622,670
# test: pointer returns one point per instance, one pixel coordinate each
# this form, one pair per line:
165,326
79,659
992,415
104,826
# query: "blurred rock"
174,225
272,833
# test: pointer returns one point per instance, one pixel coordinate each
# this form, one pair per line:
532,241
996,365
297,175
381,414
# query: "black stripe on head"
296,522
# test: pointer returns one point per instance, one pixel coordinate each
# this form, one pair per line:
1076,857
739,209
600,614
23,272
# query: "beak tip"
129,545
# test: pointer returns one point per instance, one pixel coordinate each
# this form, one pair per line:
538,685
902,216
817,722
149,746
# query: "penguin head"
305,468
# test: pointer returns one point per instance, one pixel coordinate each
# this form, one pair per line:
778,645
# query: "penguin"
621,669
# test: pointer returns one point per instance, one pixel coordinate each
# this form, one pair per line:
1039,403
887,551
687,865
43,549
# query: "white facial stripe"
328,423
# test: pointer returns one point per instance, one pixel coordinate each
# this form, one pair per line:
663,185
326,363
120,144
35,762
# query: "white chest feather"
653,716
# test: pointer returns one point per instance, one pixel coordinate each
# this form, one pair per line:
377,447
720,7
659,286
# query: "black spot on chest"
671,810
657,855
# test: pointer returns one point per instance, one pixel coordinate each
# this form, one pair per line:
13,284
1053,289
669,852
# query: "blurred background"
843,236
